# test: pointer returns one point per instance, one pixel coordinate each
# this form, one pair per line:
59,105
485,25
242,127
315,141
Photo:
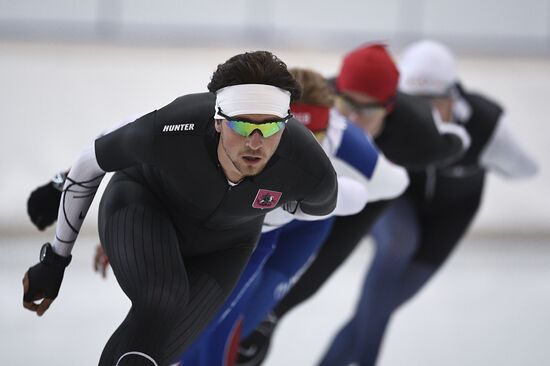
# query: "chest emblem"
266,199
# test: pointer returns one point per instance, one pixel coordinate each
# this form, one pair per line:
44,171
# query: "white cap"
427,68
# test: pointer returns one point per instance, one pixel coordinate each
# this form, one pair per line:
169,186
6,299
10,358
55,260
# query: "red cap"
370,70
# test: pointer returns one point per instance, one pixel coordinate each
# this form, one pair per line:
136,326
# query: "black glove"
43,203
46,276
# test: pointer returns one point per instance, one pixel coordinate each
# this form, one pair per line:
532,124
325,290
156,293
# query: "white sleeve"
452,128
276,218
387,181
79,190
78,193
503,154
352,196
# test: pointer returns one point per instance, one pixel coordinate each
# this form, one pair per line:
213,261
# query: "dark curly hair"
259,67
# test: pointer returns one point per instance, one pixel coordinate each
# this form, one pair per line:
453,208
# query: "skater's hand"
101,261
43,203
43,280
38,308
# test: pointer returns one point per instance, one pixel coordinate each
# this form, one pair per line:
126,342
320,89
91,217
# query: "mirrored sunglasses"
246,127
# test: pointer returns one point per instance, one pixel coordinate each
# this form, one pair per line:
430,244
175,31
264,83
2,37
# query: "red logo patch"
266,199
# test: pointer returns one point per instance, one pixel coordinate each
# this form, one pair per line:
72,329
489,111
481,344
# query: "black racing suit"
177,233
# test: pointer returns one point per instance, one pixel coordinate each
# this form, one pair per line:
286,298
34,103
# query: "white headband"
252,99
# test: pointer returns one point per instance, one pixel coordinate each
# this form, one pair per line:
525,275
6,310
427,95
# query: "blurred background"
70,69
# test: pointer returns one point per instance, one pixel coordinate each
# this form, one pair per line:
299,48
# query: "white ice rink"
489,305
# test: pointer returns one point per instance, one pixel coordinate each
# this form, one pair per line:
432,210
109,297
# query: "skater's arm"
43,202
504,155
42,281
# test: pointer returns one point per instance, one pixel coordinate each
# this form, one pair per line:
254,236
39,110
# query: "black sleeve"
127,146
322,199
411,138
